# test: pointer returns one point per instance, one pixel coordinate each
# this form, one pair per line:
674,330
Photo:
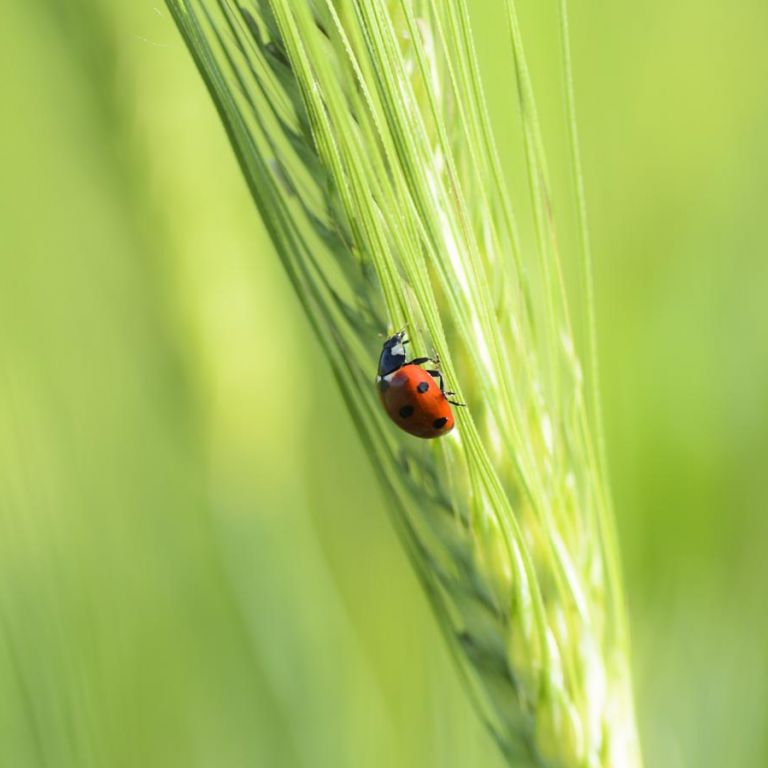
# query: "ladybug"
409,393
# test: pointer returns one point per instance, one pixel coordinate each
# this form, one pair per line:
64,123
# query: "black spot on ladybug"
439,423
383,385
423,386
406,411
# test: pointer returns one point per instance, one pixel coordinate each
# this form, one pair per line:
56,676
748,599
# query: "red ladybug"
409,393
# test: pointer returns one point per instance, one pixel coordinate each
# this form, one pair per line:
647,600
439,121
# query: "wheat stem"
362,130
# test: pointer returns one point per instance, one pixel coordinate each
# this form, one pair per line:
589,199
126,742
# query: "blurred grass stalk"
362,131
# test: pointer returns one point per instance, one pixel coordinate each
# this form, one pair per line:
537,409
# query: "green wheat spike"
362,131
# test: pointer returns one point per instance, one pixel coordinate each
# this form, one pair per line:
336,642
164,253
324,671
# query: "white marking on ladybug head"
392,354
397,349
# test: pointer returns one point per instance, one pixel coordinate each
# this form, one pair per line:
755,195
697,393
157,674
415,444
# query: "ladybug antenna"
396,333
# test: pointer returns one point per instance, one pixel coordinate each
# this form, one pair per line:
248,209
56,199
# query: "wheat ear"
363,132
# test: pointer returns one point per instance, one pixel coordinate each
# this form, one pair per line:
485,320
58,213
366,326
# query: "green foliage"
196,565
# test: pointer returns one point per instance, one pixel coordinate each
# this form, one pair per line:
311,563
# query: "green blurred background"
196,565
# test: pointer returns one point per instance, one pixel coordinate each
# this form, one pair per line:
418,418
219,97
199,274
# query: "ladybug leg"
439,376
422,360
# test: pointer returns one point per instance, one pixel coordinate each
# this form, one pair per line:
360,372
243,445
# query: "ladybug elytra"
409,393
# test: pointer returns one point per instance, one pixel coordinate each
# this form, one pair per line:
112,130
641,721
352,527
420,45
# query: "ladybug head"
392,354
